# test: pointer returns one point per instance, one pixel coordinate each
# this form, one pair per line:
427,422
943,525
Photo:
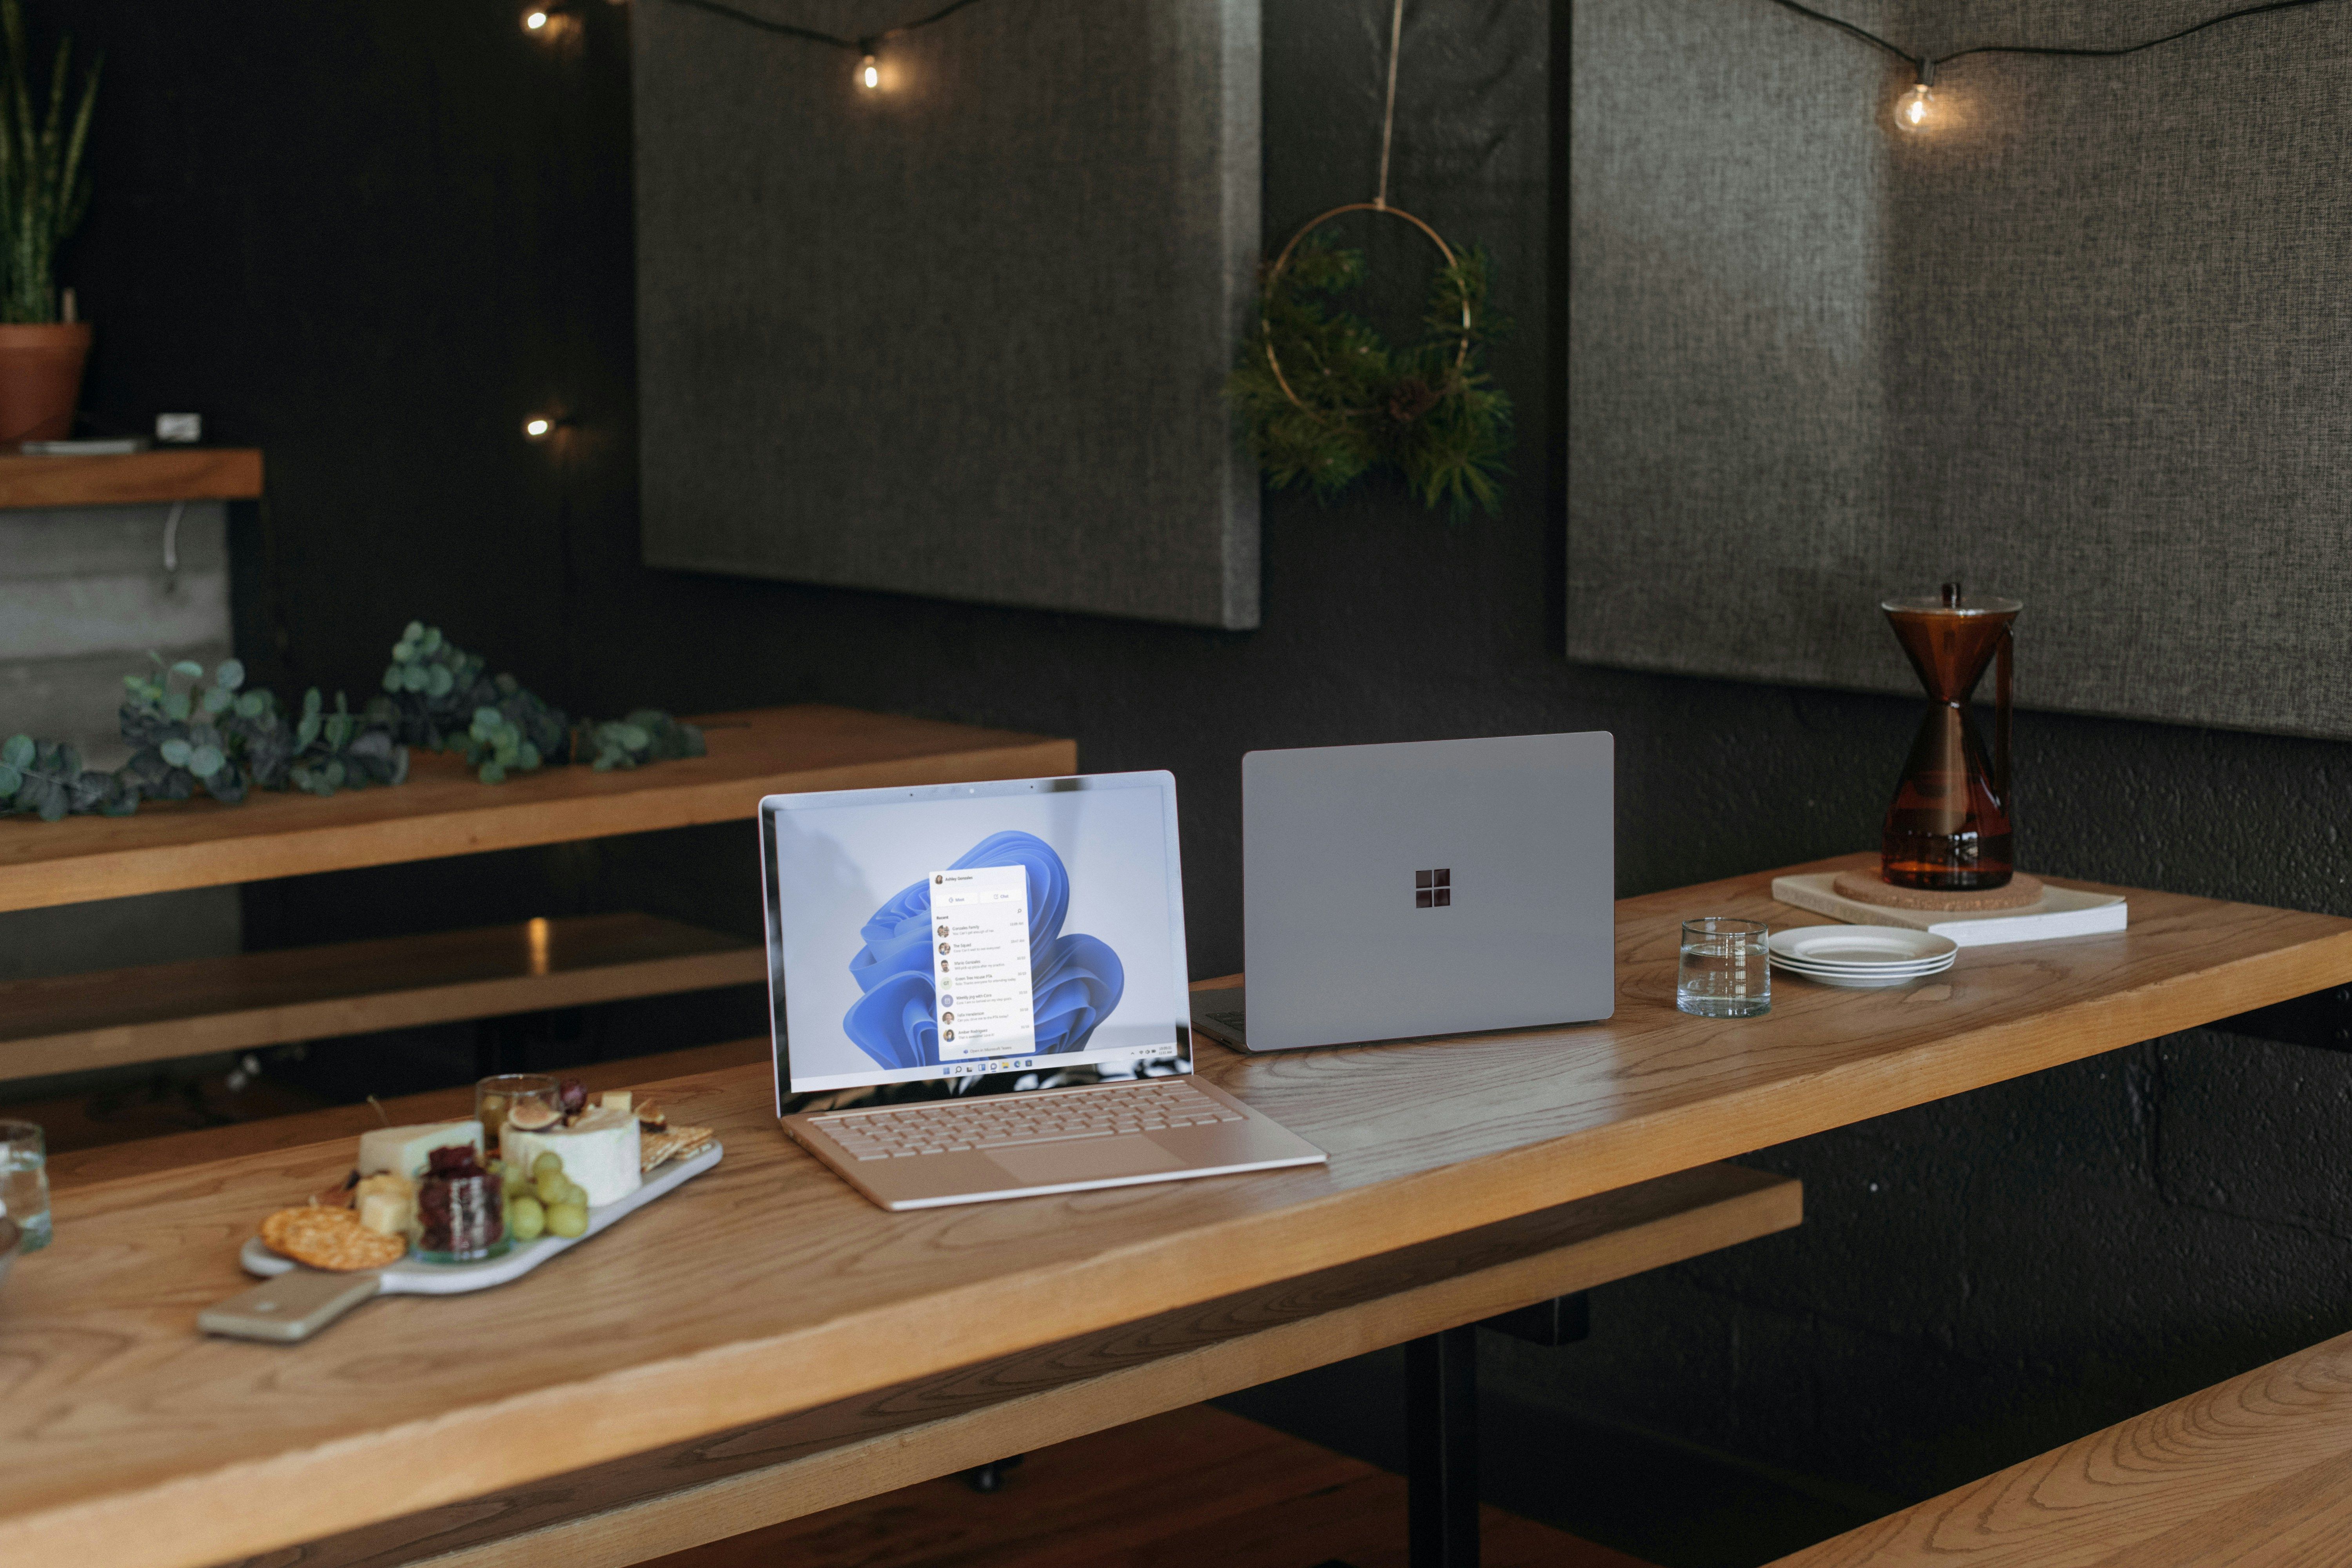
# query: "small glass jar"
494,1097
460,1220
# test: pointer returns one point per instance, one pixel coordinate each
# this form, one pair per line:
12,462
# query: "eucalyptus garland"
1428,409
217,736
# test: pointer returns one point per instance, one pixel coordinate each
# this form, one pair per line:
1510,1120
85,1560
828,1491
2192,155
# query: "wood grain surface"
2253,1473
125,479
68,1022
715,1487
444,810
768,1287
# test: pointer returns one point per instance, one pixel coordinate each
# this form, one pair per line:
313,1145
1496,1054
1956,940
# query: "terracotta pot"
40,380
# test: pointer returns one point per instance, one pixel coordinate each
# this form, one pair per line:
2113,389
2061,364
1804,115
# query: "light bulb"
535,20
1915,109
870,74
537,427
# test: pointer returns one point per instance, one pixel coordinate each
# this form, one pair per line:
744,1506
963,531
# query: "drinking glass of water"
1724,974
25,1182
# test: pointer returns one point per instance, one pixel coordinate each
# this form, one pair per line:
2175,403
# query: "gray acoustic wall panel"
962,336
2084,343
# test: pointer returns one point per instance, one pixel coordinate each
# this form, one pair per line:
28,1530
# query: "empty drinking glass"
1724,974
24,1182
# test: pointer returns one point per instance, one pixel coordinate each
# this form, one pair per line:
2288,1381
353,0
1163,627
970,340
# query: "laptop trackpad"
1086,1160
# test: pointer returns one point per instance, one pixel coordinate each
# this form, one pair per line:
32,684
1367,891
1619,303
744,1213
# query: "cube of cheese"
387,1204
406,1150
615,1100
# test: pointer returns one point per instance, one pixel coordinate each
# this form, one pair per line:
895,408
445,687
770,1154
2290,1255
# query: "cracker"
330,1238
677,1143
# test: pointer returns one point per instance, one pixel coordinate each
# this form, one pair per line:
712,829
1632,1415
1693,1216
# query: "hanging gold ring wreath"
1274,276
1427,410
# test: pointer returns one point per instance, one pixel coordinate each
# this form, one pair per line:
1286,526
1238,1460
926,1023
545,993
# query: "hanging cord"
1927,64
1388,116
863,45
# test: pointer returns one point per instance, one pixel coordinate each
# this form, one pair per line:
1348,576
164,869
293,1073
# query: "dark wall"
371,236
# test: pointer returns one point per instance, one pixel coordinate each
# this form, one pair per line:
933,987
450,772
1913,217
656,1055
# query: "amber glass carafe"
1948,827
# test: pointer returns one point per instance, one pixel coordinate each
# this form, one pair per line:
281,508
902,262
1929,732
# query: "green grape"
568,1220
573,1192
548,1163
551,1190
526,1219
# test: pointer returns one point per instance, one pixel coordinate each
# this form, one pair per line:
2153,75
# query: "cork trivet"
1869,888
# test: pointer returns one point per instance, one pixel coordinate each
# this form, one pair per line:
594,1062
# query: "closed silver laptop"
978,991
1431,888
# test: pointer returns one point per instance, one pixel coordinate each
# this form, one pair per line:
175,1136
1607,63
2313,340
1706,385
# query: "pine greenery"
1429,409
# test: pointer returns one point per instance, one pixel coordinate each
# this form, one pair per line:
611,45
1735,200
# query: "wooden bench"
2255,1471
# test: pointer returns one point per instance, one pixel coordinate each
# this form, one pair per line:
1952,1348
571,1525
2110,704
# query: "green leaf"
177,751
310,701
9,779
530,758
391,681
416,630
438,683
176,704
189,668
490,718
230,674
251,704
307,730
206,761
431,642
493,773
412,678
18,751
219,700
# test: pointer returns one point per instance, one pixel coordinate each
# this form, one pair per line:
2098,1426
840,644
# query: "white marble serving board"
411,1277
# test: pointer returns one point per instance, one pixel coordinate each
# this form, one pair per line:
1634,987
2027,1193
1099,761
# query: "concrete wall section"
84,598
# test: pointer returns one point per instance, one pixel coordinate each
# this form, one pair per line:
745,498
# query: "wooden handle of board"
290,1308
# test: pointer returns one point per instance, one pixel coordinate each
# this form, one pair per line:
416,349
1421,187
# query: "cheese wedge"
405,1150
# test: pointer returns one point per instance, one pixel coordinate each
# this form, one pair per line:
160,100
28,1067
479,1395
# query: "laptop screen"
960,939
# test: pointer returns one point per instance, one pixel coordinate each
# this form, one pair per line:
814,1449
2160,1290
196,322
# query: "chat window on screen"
980,956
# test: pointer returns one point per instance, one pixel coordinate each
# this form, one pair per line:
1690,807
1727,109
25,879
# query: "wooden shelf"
444,810
130,479
165,1010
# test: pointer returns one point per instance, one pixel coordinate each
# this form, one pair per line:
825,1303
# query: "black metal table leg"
1441,1439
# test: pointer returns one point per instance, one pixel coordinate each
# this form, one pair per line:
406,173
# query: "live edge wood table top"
444,810
128,1440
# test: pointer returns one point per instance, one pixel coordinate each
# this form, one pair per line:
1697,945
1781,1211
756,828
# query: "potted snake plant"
44,191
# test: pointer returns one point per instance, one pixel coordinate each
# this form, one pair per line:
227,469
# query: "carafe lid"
1952,601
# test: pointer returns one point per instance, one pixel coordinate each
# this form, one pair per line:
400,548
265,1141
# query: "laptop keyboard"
1001,1121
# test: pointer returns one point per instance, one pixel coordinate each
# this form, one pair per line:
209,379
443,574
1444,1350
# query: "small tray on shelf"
296,1302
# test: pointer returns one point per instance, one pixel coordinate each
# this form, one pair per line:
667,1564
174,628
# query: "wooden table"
769,1287
157,1012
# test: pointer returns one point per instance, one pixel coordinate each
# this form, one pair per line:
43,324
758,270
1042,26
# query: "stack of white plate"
1861,956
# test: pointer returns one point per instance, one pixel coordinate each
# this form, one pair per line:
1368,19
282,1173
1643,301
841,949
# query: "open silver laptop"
1434,888
979,992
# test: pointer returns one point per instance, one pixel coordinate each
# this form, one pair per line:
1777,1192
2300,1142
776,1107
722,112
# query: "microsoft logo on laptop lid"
1433,890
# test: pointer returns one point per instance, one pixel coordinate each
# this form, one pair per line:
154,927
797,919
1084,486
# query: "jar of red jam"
460,1209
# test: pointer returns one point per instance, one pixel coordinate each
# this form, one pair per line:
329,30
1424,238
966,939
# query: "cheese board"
295,1302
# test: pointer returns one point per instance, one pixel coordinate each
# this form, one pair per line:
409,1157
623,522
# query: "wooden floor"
1195,1485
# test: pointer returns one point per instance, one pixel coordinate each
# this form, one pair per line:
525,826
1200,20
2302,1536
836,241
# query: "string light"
540,426
532,21
866,49
1916,109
